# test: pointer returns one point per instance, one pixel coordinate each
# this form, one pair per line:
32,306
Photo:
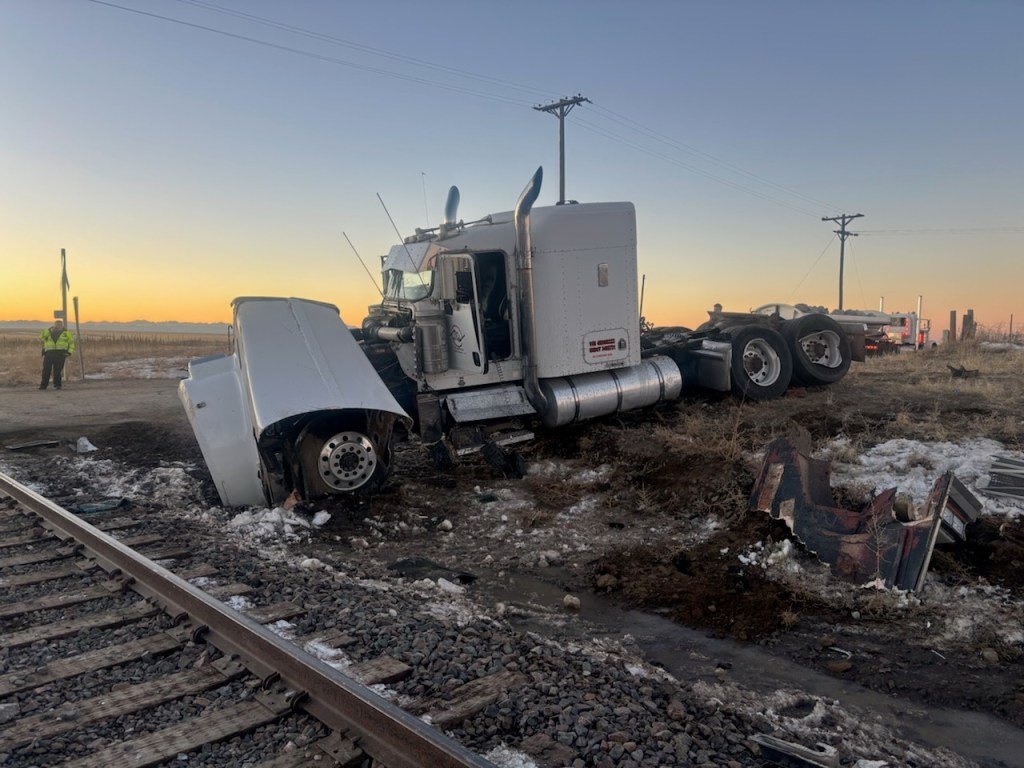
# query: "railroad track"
53,564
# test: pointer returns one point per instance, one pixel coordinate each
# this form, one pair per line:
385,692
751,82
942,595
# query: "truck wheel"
342,462
761,363
820,349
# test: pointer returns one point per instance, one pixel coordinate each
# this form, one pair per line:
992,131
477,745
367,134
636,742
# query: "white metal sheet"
297,356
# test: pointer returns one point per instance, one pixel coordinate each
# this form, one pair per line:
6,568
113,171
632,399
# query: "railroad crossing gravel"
579,705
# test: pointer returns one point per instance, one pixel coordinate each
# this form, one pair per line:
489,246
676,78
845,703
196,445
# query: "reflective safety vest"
64,341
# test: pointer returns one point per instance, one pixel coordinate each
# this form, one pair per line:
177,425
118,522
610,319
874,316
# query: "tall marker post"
78,336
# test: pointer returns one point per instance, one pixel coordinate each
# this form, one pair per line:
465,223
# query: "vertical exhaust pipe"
451,211
524,266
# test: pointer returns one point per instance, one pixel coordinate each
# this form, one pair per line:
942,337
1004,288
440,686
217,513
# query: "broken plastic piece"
878,542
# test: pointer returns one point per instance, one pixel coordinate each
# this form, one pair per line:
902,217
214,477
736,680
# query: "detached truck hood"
293,357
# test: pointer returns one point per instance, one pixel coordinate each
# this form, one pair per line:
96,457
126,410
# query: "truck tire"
820,349
761,363
339,461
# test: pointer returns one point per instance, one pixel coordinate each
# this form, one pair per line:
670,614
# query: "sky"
224,149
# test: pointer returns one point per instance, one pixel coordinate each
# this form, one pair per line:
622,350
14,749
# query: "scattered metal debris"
787,753
961,372
889,539
1006,478
32,444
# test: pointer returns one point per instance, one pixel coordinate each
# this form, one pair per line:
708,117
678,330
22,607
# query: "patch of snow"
503,757
239,602
321,518
913,466
257,525
450,587
84,446
144,368
333,657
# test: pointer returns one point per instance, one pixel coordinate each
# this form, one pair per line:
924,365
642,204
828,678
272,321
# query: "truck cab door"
463,320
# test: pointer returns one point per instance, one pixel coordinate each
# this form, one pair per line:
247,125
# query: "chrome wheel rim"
761,362
347,461
822,348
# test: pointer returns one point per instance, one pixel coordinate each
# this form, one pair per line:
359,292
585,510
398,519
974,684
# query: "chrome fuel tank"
589,395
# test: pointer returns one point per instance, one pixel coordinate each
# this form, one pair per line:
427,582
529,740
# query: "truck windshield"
407,286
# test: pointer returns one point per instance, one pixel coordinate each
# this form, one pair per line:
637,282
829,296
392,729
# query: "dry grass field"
106,355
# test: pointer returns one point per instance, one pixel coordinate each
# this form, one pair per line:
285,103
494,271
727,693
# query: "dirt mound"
706,586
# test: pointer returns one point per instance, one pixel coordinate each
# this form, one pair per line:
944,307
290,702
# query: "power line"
856,271
636,127
693,169
365,48
808,272
675,143
318,56
941,230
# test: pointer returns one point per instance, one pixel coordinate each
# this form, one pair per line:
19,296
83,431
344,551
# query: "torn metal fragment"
1006,478
886,540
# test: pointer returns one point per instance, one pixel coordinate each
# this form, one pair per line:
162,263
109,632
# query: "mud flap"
864,545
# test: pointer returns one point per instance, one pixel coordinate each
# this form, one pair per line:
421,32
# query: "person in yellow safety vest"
58,345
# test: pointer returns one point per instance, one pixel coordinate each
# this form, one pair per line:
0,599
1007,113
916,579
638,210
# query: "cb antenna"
402,239
368,272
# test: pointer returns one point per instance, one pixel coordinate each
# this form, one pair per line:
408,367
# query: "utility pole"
560,109
842,220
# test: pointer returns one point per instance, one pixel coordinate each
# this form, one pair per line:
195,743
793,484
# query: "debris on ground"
92,507
789,754
890,540
960,372
82,445
1006,478
32,444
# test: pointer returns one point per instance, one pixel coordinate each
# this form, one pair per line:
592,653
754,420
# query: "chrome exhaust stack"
451,211
524,267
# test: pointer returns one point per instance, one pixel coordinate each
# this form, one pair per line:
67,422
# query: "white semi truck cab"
486,331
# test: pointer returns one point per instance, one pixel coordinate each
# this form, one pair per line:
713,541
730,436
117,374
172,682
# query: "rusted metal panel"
872,543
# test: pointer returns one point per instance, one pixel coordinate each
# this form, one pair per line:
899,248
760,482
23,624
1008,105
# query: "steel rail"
389,734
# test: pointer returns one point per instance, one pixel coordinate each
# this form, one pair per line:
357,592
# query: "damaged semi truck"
486,331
